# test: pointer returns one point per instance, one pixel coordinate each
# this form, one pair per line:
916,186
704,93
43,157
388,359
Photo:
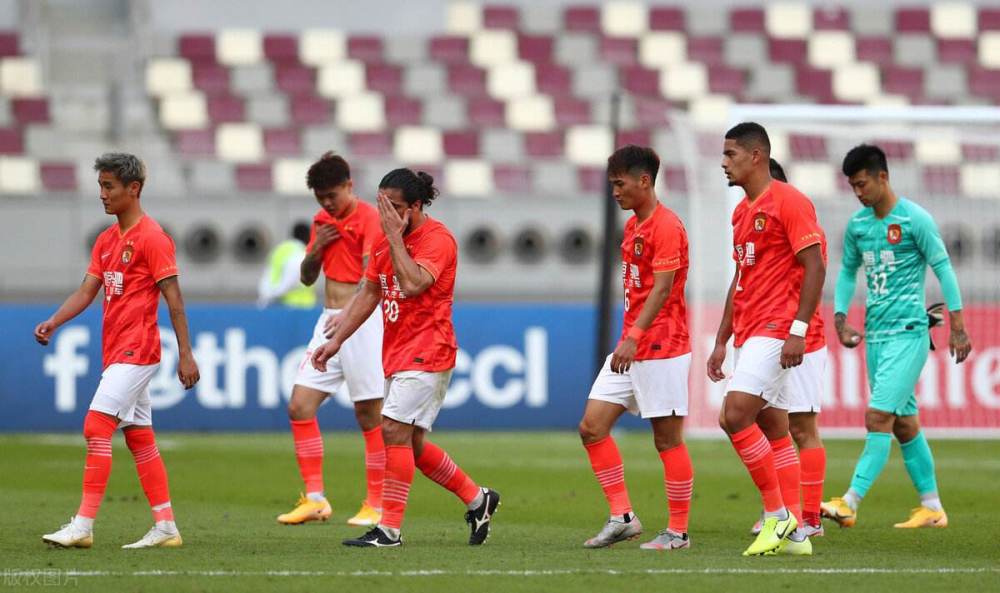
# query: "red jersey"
657,244
417,331
359,231
767,233
130,264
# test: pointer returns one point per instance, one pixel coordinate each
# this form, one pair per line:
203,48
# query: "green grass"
227,489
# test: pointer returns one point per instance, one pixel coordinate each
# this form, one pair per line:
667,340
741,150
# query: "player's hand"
325,234
44,331
849,336
792,352
623,356
323,354
715,361
393,225
959,344
187,371
331,324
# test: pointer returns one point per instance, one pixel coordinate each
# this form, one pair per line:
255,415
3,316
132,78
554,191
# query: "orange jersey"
658,244
130,264
418,334
359,231
767,233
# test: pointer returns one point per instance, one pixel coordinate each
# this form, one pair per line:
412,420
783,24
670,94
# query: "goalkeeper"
894,240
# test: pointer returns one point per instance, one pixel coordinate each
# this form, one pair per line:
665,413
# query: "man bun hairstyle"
777,171
329,171
750,135
634,160
416,186
865,157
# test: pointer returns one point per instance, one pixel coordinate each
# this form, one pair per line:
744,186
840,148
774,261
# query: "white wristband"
799,328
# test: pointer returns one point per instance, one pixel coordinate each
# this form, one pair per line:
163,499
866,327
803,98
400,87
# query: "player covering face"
133,260
777,245
411,275
647,374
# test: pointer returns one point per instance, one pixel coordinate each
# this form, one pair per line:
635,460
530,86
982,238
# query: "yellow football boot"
790,547
368,516
838,510
772,533
924,517
306,510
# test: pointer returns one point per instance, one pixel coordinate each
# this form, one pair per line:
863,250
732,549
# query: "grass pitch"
228,488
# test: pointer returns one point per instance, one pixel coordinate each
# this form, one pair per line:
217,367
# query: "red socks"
374,465
678,478
309,453
152,473
753,448
606,462
436,465
97,429
399,469
813,471
786,465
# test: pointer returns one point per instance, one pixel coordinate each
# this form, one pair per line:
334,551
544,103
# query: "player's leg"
369,416
308,439
919,462
610,396
399,470
678,482
812,458
774,423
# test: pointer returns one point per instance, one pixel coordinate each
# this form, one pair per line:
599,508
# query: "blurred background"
513,107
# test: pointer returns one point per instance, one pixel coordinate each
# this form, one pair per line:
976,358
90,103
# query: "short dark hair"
126,167
301,230
634,160
865,157
777,171
329,171
416,186
750,135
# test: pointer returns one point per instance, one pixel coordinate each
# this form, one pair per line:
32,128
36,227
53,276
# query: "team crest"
637,246
127,253
759,222
895,234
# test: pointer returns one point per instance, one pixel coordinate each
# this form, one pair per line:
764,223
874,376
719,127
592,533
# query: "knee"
394,433
665,442
367,414
590,433
905,431
299,409
96,424
876,421
734,420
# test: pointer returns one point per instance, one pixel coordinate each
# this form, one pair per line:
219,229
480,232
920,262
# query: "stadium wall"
520,367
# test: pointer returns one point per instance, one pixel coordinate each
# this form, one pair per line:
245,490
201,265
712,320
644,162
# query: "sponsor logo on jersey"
637,246
895,234
759,222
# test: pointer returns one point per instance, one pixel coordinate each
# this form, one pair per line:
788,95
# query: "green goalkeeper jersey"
895,252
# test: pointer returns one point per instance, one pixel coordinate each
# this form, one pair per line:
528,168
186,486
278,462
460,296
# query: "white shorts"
124,393
415,397
650,388
359,361
758,371
804,384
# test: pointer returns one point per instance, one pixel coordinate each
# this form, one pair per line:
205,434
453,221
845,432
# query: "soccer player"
647,374
343,232
804,387
411,274
777,244
895,240
134,261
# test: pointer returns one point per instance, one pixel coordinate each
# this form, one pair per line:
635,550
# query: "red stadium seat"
534,48
592,179
282,142
11,141
195,142
9,45
900,80
957,51
501,17
707,50
877,50
815,82
787,51
941,179
585,19
58,176
651,111
807,147
553,79
896,150
281,47
384,78
30,111
639,80
466,79
197,47
913,20
449,49
570,111
831,19
225,109
619,50
638,136
403,111
367,48
486,112
725,80
254,178
370,144
461,144
675,179
544,144
294,79
664,18
307,109
984,82
512,178
747,20
980,152
989,19
209,77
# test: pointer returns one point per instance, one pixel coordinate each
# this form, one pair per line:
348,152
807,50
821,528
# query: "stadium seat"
877,50
9,44
913,20
707,50
402,111
816,180
544,144
165,76
666,18
533,113
980,180
345,78
18,174
535,48
322,46
463,17
682,82
269,110
618,50
254,178
30,110
448,48
288,175
282,142
370,144
660,49
466,79
941,179
831,18
515,179
294,79
491,48
953,20
361,113
414,144
501,17
11,141
460,143
447,112
624,18
20,77
787,20
938,151
958,51
197,47
829,49
212,176
195,143
57,176
281,48
553,79
585,19
511,80
209,78
591,179
487,112
748,20
989,49
383,78
238,46
239,142
184,111
468,177
589,145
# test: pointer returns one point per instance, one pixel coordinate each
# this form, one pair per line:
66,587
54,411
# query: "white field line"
15,573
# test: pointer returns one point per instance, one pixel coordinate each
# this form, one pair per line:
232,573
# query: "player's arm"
718,355
929,242
187,368
844,292
413,278
624,354
811,260
323,235
74,304
356,312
